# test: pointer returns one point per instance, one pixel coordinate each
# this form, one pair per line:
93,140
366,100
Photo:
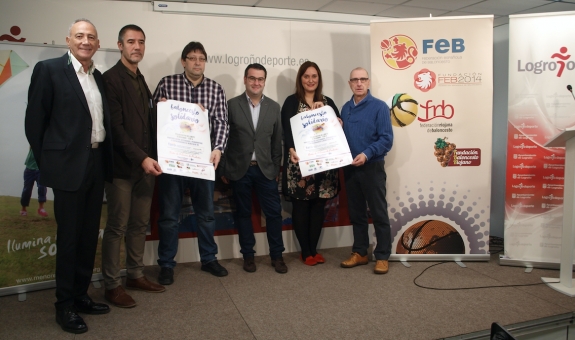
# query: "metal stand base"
405,263
22,297
461,264
554,283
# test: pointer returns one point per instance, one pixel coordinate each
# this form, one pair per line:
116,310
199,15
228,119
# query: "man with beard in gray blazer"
252,162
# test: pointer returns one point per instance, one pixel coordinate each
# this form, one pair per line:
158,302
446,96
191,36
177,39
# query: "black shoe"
166,276
214,268
87,306
280,265
70,321
249,265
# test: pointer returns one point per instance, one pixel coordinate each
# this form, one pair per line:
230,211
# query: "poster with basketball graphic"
541,66
435,74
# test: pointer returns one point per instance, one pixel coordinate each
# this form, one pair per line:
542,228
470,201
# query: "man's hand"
151,167
293,156
163,99
215,158
201,106
340,121
359,160
225,180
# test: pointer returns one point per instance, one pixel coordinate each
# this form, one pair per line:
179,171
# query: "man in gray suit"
252,161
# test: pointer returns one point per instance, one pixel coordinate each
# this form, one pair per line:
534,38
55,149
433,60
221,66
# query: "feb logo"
399,51
424,80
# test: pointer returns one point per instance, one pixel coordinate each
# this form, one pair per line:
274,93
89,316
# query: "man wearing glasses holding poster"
367,127
192,86
255,149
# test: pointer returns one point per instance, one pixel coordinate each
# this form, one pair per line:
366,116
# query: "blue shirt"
367,127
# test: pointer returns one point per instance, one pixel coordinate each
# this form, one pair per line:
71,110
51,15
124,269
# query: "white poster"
541,66
319,141
436,75
184,144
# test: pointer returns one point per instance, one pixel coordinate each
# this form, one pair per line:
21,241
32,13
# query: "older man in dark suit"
68,127
130,194
252,161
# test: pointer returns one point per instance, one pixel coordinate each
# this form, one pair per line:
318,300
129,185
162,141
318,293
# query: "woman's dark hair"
300,91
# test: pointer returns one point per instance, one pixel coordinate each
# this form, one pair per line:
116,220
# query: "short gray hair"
358,69
77,21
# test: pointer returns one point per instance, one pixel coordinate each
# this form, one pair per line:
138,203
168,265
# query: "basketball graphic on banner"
431,237
403,109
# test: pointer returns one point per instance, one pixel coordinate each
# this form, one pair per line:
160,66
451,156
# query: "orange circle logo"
399,51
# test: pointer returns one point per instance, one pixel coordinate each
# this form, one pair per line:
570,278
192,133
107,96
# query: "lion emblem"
424,80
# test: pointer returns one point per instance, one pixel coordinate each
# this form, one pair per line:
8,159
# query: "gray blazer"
265,139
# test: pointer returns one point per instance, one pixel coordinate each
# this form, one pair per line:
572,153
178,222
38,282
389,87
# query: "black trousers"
307,222
366,184
78,217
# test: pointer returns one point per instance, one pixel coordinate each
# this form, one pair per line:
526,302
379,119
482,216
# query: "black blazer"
58,125
133,132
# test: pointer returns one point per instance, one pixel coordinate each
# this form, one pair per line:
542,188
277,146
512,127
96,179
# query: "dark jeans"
307,221
171,192
367,183
269,199
31,176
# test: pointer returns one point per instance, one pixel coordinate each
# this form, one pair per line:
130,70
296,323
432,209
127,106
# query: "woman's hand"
293,156
316,105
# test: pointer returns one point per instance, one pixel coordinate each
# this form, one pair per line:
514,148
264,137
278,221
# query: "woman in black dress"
308,194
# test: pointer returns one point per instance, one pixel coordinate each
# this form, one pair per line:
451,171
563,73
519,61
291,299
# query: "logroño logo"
399,51
562,62
424,80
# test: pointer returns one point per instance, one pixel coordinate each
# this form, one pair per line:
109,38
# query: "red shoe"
310,261
318,258
42,212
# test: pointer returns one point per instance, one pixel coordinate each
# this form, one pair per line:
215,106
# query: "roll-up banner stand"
436,75
541,67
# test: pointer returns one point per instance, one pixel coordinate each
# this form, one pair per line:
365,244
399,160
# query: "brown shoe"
249,265
381,267
354,260
142,283
280,265
119,298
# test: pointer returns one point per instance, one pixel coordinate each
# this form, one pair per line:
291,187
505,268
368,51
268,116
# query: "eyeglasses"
254,79
194,59
355,80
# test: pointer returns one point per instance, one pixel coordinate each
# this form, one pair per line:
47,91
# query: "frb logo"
457,45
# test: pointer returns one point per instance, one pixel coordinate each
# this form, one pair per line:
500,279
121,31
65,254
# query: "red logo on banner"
563,58
442,110
399,51
424,80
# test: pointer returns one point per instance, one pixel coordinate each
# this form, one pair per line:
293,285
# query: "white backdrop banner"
540,106
436,75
